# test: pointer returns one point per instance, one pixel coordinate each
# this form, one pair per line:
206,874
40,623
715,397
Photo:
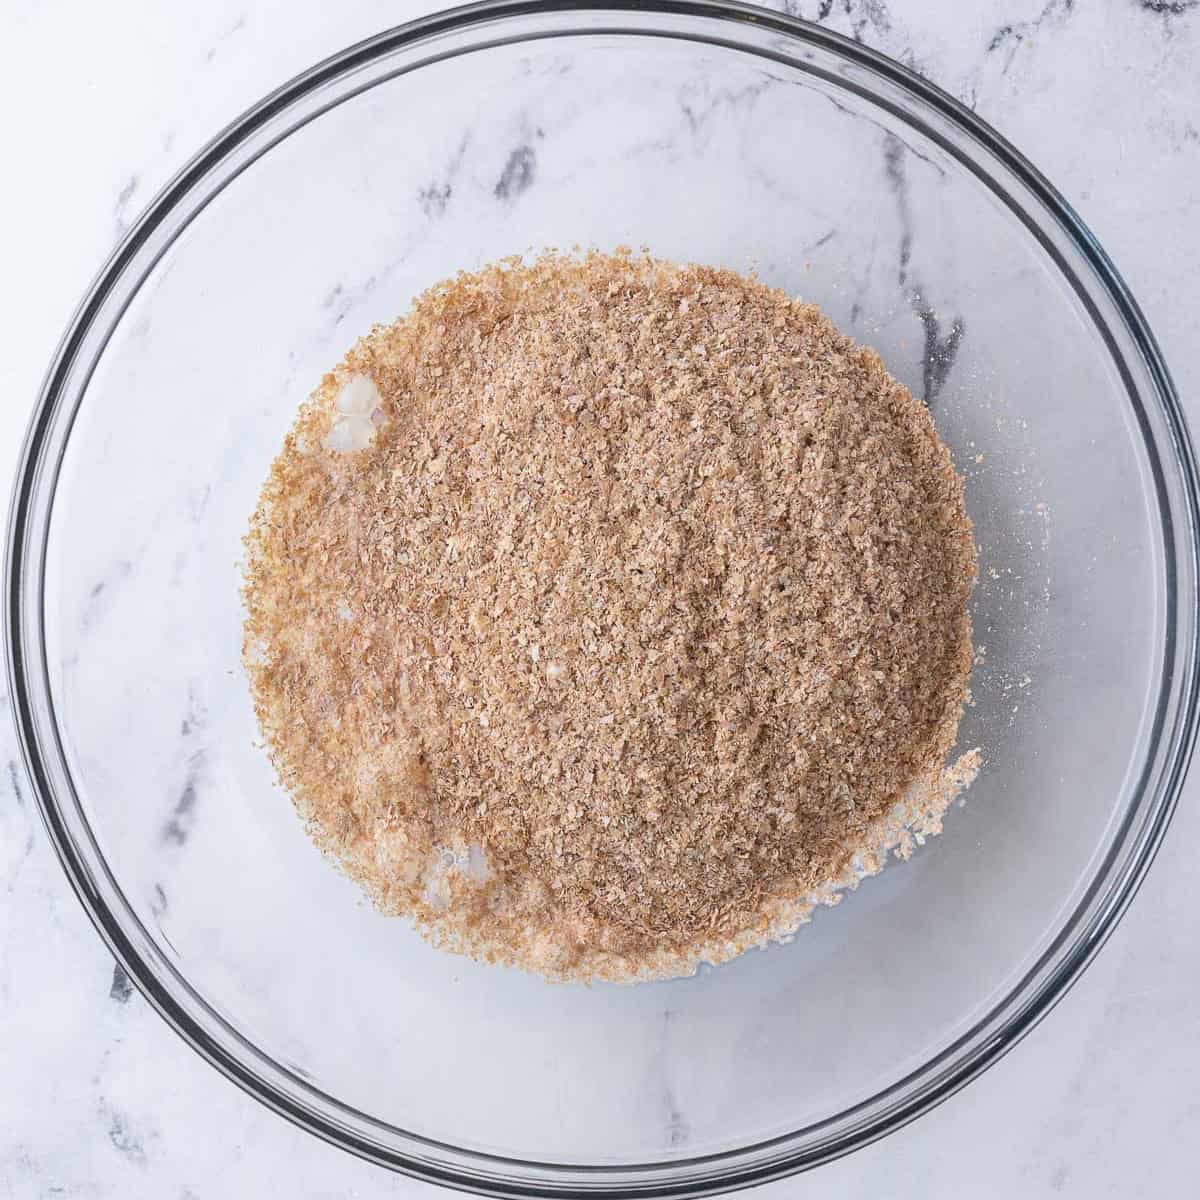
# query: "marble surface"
102,106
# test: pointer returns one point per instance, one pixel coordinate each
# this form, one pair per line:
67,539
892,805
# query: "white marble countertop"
102,104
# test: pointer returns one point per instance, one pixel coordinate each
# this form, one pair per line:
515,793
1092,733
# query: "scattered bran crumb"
637,629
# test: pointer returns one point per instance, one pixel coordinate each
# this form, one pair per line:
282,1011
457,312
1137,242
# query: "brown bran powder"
638,628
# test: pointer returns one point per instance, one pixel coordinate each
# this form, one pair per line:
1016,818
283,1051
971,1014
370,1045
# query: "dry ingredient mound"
605,615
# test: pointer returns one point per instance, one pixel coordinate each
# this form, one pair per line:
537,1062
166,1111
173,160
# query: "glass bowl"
707,132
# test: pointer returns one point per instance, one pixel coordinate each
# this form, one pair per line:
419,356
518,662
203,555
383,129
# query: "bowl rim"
1006,1022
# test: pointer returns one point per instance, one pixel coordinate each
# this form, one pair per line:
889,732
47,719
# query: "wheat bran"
651,585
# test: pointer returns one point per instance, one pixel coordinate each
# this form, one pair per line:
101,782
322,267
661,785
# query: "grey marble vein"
121,209
823,240
699,104
938,351
14,782
341,299
890,135
125,1140
435,197
192,726
231,31
1168,8
519,172
1010,36
867,17
179,823
101,591
121,989
677,1131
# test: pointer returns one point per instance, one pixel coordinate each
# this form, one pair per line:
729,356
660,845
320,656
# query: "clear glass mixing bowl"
706,132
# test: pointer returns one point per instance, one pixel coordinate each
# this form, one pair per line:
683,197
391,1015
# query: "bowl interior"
699,152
